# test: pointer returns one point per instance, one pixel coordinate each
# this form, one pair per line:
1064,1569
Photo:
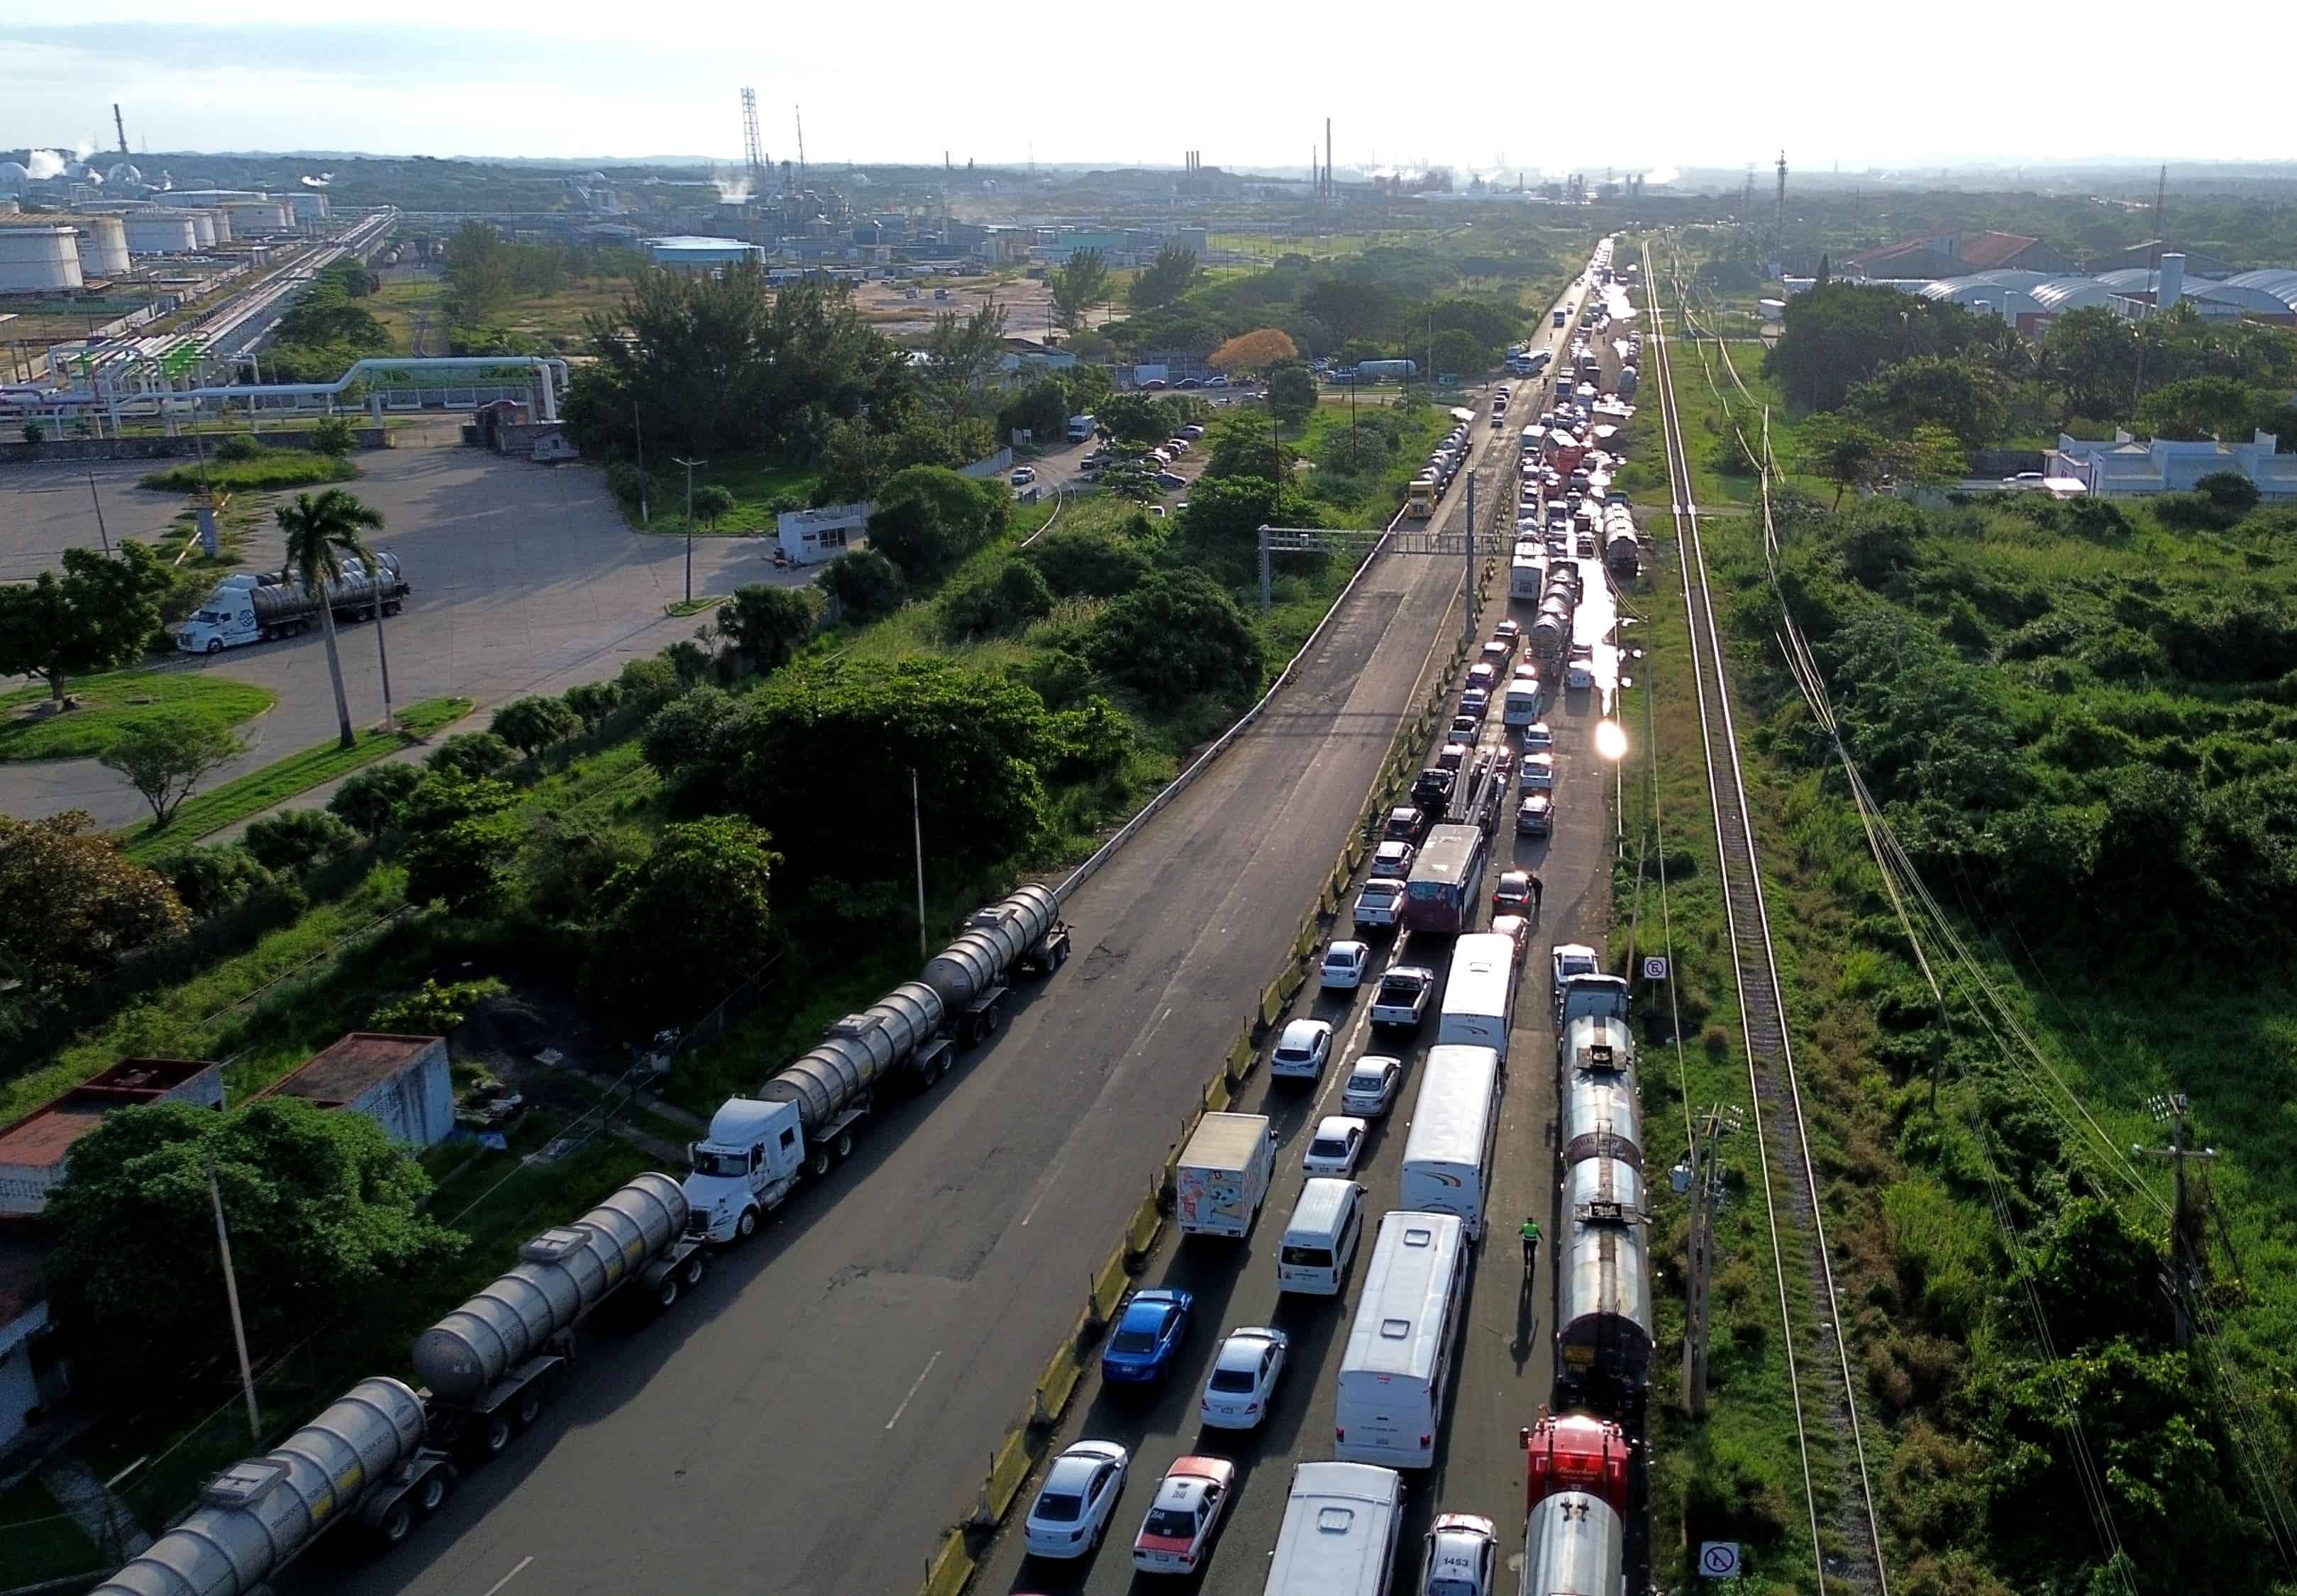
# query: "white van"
1390,1402
1447,1159
1480,997
1339,1534
1319,1238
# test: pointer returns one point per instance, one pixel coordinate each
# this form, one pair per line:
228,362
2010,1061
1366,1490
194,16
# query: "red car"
1191,1500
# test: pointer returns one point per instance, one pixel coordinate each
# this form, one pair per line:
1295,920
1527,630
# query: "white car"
1378,905
1073,1507
1580,675
1023,476
1538,774
1392,862
1345,964
1462,1556
1243,1382
1178,1531
1300,1050
1372,1085
1333,1149
1538,738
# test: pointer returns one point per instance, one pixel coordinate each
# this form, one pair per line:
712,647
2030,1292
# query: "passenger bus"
1479,996
1390,1402
1440,896
1527,577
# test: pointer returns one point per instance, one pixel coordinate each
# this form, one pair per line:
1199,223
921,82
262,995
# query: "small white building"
687,252
2131,467
810,536
402,1083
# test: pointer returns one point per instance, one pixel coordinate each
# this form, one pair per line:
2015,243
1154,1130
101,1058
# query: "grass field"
758,481
275,783
38,1540
117,703
273,468
554,321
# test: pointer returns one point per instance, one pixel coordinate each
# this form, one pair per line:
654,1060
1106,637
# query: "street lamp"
689,466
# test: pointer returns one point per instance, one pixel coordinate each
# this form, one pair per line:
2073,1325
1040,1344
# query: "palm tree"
322,534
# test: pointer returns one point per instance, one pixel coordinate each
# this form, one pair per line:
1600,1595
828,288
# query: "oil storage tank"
38,258
103,245
161,232
564,1273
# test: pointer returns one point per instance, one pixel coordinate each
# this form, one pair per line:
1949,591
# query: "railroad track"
1838,1495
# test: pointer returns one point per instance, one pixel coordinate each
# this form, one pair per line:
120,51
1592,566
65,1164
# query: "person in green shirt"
1530,1243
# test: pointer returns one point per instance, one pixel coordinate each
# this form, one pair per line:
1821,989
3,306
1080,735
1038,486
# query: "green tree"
1164,279
711,504
594,701
1136,419
472,754
1079,560
333,436
684,732
1846,452
1844,333
75,905
1932,457
326,1222
929,518
209,880
1455,353
1962,397
2090,357
369,800
461,837
974,741
532,723
481,278
864,584
2201,408
1078,284
1000,600
1291,393
768,625
322,534
1176,635
98,615
962,350
165,759
293,838
1353,310
1042,409
684,926
1245,445
1219,533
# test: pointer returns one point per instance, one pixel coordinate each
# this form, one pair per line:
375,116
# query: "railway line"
1838,1494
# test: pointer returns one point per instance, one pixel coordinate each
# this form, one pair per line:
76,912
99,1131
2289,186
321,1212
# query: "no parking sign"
1655,969
1718,1559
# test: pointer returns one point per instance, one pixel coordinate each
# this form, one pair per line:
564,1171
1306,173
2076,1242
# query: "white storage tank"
161,232
103,245
214,225
253,216
308,209
35,259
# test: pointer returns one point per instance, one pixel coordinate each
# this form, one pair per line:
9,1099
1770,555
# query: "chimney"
2171,286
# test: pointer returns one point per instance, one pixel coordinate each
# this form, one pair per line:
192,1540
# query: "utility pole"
100,530
231,1294
689,464
1468,592
2185,1257
638,431
1701,1175
918,837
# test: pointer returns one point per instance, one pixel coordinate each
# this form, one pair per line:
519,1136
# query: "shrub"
689,659
532,723
594,701
209,880
432,1009
865,584
1072,560
332,435
2231,493
997,600
296,837
1176,636
472,754
239,448
649,678
461,838
369,800
683,731
567,859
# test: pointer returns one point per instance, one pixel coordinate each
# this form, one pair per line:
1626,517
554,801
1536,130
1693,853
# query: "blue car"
1147,1334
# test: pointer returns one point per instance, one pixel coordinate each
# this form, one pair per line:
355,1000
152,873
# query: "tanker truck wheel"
845,1147
495,1439
436,1484
695,1268
396,1523
747,1226
665,1295
529,1404
819,1163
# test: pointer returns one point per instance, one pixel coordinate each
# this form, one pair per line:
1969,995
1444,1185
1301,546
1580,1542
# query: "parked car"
1345,964
1377,905
1513,894
1372,1085
1147,1333
1023,476
1243,1379
1189,382
1216,381
1333,1149
1401,1000
1392,862
1461,1557
1301,1048
1190,1502
1534,816
1072,1510
1194,429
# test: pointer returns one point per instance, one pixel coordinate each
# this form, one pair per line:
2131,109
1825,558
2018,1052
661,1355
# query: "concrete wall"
415,1103
49,450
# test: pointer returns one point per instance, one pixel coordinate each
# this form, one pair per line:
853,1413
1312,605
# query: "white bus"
1339,1533
1447,1158
1527,577
1390,1402
1479,996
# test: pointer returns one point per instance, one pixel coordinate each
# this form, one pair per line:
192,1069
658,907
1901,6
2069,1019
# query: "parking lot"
526,581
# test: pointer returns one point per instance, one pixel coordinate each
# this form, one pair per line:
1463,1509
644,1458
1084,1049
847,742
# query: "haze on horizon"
1672,84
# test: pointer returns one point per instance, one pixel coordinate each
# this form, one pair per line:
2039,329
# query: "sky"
1667,84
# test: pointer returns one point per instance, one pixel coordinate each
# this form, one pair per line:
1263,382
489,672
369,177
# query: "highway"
815,1418
1503,1363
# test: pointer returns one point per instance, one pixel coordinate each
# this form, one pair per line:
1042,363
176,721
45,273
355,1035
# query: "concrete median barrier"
1272,1003
1147,1220
1241,1056
1108,1285
1009,1467
1055,1385
950,1569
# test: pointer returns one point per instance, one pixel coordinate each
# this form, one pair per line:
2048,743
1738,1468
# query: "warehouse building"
2132,467
687,252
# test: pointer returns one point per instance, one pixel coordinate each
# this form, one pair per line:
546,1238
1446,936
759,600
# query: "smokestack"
1327,158
2171,286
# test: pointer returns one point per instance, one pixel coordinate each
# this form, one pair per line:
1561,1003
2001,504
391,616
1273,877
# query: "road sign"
1718,1559
1655,969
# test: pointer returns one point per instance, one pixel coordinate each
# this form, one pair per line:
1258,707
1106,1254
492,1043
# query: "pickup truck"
1401,1000
1378,905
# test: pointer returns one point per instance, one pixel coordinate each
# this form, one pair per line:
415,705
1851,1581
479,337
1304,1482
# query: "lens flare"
1610,740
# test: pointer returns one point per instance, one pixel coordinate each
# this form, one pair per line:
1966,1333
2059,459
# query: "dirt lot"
1028,305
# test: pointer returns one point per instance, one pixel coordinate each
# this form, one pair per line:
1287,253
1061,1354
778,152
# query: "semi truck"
1224,1174
385,1453
255,607
803,1120
1385,371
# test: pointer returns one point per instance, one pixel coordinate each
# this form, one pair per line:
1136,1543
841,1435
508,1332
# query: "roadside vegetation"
243,465
116,705
2071,718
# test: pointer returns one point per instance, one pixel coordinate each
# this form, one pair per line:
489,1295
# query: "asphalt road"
526,581
814,1418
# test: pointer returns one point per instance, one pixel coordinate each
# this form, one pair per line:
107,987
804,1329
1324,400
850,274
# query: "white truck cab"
748,1163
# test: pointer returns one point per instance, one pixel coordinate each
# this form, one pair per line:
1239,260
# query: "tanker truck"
804,1119
385,1453
255,607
